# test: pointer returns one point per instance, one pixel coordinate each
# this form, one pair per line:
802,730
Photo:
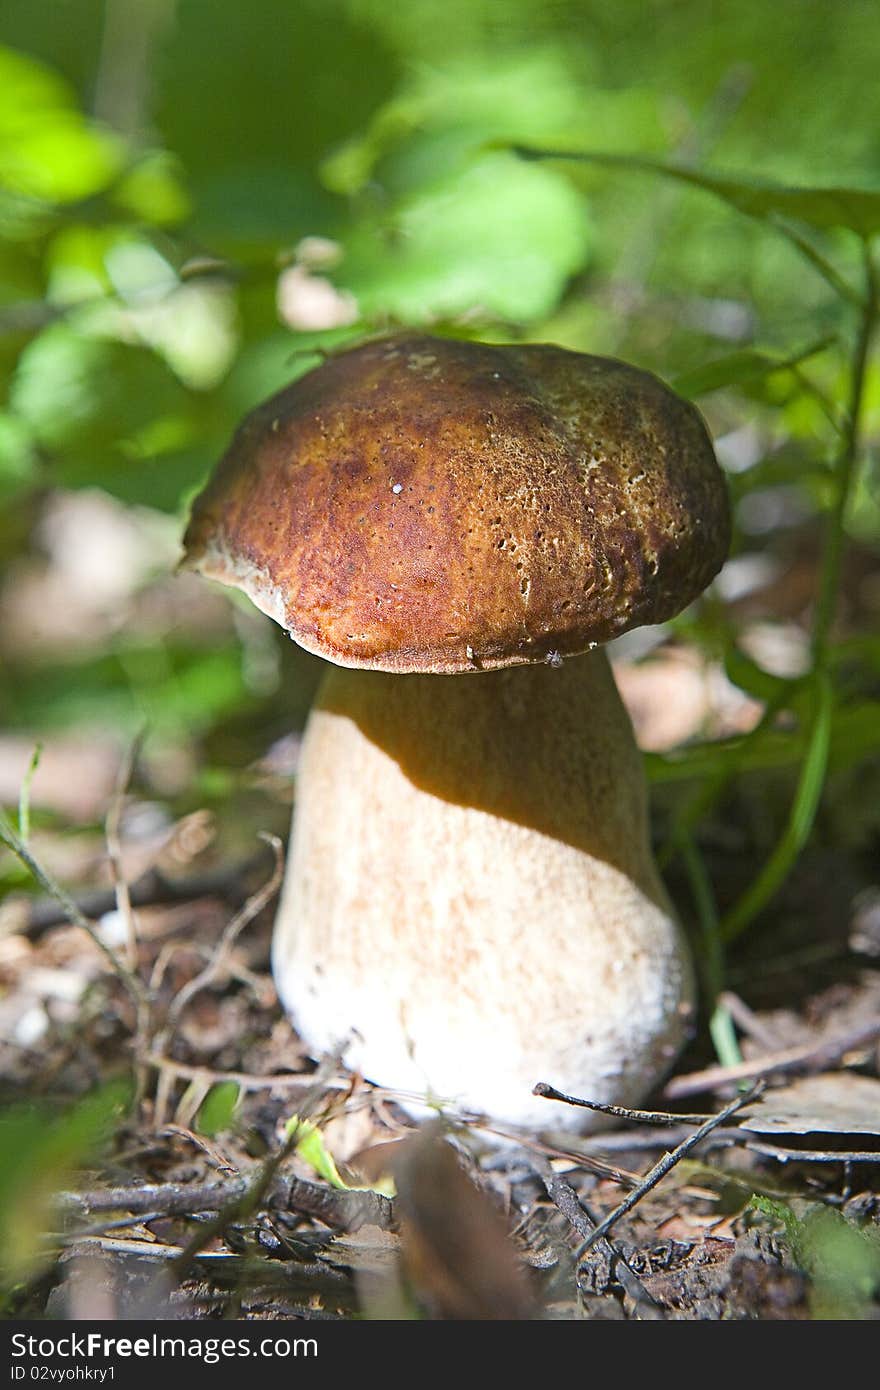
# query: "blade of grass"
800,821
720,1024
73,914
24,795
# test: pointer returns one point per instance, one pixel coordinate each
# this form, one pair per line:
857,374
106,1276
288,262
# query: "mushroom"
471,899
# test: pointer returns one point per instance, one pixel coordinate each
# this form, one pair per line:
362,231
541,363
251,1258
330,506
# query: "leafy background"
199,197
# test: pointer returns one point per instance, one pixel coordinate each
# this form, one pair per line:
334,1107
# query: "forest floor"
205,1201
774,1214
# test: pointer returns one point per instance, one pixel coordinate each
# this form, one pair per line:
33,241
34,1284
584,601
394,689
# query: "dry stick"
579,1216
620,1112
248,1081
665,1165
198,1141
815,1055
747,1020
336,1207
152,889
219,959
114,847
143,1020
72,912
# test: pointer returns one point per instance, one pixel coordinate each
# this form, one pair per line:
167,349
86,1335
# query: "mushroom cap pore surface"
426,504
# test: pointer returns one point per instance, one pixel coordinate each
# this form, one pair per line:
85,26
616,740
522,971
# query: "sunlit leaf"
18,458
153,190
108,414
48,150
217,1110
490,241
311,1149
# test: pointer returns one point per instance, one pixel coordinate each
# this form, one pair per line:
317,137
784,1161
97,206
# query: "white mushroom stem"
471,898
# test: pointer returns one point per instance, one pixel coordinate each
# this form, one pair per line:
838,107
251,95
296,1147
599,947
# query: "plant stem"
73,914
845,470
812,778
721,1024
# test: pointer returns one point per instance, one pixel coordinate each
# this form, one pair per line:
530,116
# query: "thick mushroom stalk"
471,901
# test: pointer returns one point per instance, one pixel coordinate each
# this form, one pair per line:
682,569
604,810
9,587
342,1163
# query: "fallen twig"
248,1081
765,1149
620,1112
114,848
243,1206
152,889
814,1056
578,1215
665,1165
343,1209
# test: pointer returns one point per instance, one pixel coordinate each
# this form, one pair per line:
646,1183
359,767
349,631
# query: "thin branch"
337,1207
665,1165
254,1195
73,914
814,1056
248,1081
581,1219
620,1112
114,848
152,889
251,909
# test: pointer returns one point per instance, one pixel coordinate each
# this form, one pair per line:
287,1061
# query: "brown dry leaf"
833,1103
457,1253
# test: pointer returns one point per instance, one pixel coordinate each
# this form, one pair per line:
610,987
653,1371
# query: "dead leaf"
457,1253
833,1103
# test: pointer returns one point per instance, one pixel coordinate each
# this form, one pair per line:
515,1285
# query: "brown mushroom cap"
422,504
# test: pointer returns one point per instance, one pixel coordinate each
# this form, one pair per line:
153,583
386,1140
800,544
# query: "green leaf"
739,368
48,150
855,735
217,1110
18,457
801,816
750,677
841,1259
174,688
496,238
857,209
108,414
153,190
311,1148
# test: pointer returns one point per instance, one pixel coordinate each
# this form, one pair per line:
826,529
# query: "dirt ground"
780,1222
205,1202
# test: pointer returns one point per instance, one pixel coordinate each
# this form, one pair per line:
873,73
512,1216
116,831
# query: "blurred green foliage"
198,198
217,1111
841,1258
161,160
41,1150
